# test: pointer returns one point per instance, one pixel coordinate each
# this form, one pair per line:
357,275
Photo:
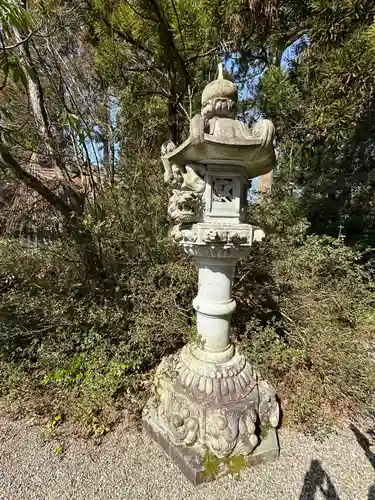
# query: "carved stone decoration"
172,173
192,181
222,383
222,190
185,206
183,424
175,409
186,203
222,432
203,234
208,397
232,432
247,438
269,410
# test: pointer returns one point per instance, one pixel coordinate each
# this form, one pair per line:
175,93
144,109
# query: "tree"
323,106
54,80
161,51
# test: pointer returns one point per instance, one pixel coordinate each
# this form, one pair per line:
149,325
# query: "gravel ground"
128,465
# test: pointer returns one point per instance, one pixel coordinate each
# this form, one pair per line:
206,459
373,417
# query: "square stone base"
191,459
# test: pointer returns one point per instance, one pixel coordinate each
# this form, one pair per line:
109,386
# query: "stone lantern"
209,401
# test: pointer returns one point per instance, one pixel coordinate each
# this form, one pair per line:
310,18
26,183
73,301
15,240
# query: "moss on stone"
212,464
264,430
236,464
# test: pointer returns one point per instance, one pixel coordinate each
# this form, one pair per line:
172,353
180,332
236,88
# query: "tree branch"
178,23
20,42
125,36
142,16
35,184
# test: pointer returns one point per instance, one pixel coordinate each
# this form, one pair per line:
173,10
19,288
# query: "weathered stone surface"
188,459
209,401
216,137
219,409
191,459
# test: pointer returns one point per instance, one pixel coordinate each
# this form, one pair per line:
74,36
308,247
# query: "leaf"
4,148
31,72
16,74
60,448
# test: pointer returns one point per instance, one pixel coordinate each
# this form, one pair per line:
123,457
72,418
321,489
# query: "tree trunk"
36,99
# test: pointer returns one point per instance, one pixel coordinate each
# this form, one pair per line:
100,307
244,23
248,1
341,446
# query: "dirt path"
128,465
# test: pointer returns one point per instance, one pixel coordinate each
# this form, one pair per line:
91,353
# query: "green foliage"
156,54
54,422
12,13
305,319
280,97
211,465
60,449
264,430
322,106
194,336
236,464
85,320
78,348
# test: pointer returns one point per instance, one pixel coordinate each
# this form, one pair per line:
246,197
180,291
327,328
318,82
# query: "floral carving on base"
226,425
211,382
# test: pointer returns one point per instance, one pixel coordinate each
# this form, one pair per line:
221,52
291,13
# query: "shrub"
85,349
305,319
79,347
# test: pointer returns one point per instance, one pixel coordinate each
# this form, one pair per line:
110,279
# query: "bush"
78,347
85,349
306,319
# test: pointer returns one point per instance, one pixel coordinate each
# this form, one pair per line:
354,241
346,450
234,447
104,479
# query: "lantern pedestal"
196,461
210,406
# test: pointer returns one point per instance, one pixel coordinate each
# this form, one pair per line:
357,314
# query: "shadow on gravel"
364,443
316,479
